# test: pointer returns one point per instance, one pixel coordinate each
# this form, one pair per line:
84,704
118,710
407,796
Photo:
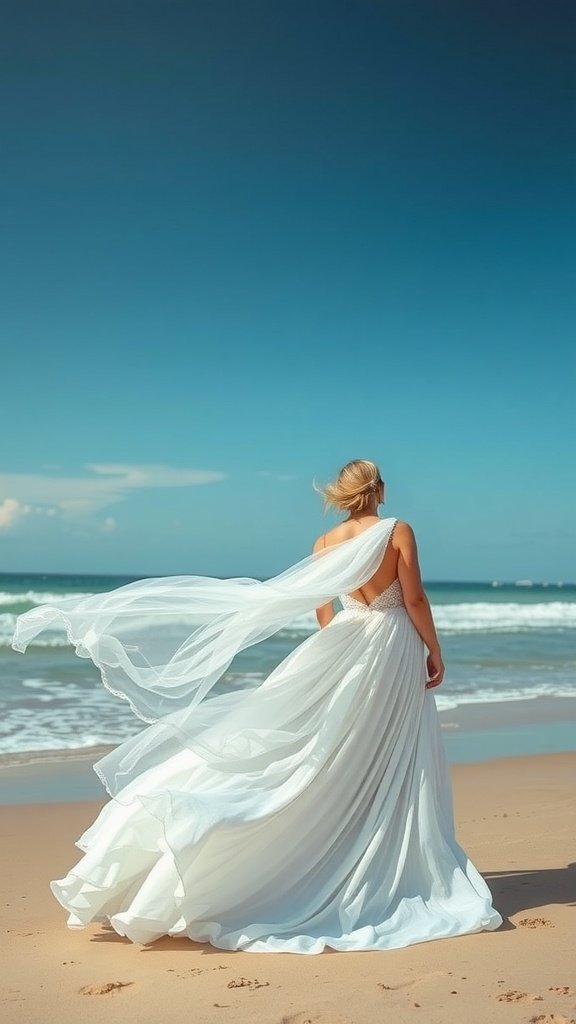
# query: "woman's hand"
435,669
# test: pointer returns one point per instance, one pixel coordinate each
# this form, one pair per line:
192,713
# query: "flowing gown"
312,811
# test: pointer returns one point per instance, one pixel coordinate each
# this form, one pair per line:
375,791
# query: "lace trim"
390,598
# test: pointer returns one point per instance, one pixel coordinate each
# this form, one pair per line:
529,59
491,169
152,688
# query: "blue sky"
244,243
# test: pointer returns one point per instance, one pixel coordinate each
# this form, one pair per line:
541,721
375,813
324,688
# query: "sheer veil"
162,644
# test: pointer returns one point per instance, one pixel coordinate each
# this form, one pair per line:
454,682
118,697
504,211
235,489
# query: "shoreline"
472,733
514,818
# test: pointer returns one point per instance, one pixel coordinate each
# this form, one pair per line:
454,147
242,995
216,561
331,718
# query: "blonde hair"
354,488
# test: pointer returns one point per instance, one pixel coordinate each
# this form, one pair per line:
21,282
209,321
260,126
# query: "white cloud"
100,485
155,476
109,525
11,510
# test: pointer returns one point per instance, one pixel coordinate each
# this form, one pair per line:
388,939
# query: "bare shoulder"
403,535
334,536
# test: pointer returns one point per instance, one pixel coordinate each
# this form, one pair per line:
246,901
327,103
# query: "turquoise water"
502,644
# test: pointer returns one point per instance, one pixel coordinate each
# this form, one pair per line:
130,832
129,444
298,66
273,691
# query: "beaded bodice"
389,598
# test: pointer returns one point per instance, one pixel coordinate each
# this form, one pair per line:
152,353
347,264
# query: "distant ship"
523,583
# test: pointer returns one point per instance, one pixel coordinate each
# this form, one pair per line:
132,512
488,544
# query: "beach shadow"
168,945
530,889
109,935
165,944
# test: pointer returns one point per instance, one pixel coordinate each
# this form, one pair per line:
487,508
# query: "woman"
311,811
359,490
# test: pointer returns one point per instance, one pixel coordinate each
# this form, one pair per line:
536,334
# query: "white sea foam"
57,715
47,639
482,617
485,617
34,597
76,711
492,695
469,617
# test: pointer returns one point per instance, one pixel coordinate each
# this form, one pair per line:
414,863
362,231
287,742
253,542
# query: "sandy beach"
516,819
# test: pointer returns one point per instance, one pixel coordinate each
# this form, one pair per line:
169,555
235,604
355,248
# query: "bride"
312,810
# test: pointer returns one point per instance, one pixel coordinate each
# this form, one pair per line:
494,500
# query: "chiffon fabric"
313,810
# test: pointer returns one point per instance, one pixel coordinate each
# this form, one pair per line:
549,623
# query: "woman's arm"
415,599
326,612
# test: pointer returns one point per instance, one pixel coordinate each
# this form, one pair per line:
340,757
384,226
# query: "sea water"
503,644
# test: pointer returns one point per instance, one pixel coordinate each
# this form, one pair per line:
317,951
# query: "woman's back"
387,571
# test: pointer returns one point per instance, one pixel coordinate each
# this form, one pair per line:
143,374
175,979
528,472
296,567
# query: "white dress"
312,811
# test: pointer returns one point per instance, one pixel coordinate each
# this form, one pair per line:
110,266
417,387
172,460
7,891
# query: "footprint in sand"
535,922
301,1018
195,972
105,988
412,981
552,1018
563,990
514,996
250,983
311,1017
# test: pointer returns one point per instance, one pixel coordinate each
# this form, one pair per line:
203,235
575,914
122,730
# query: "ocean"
504,644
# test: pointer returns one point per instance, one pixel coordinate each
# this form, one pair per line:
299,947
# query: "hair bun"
352,489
